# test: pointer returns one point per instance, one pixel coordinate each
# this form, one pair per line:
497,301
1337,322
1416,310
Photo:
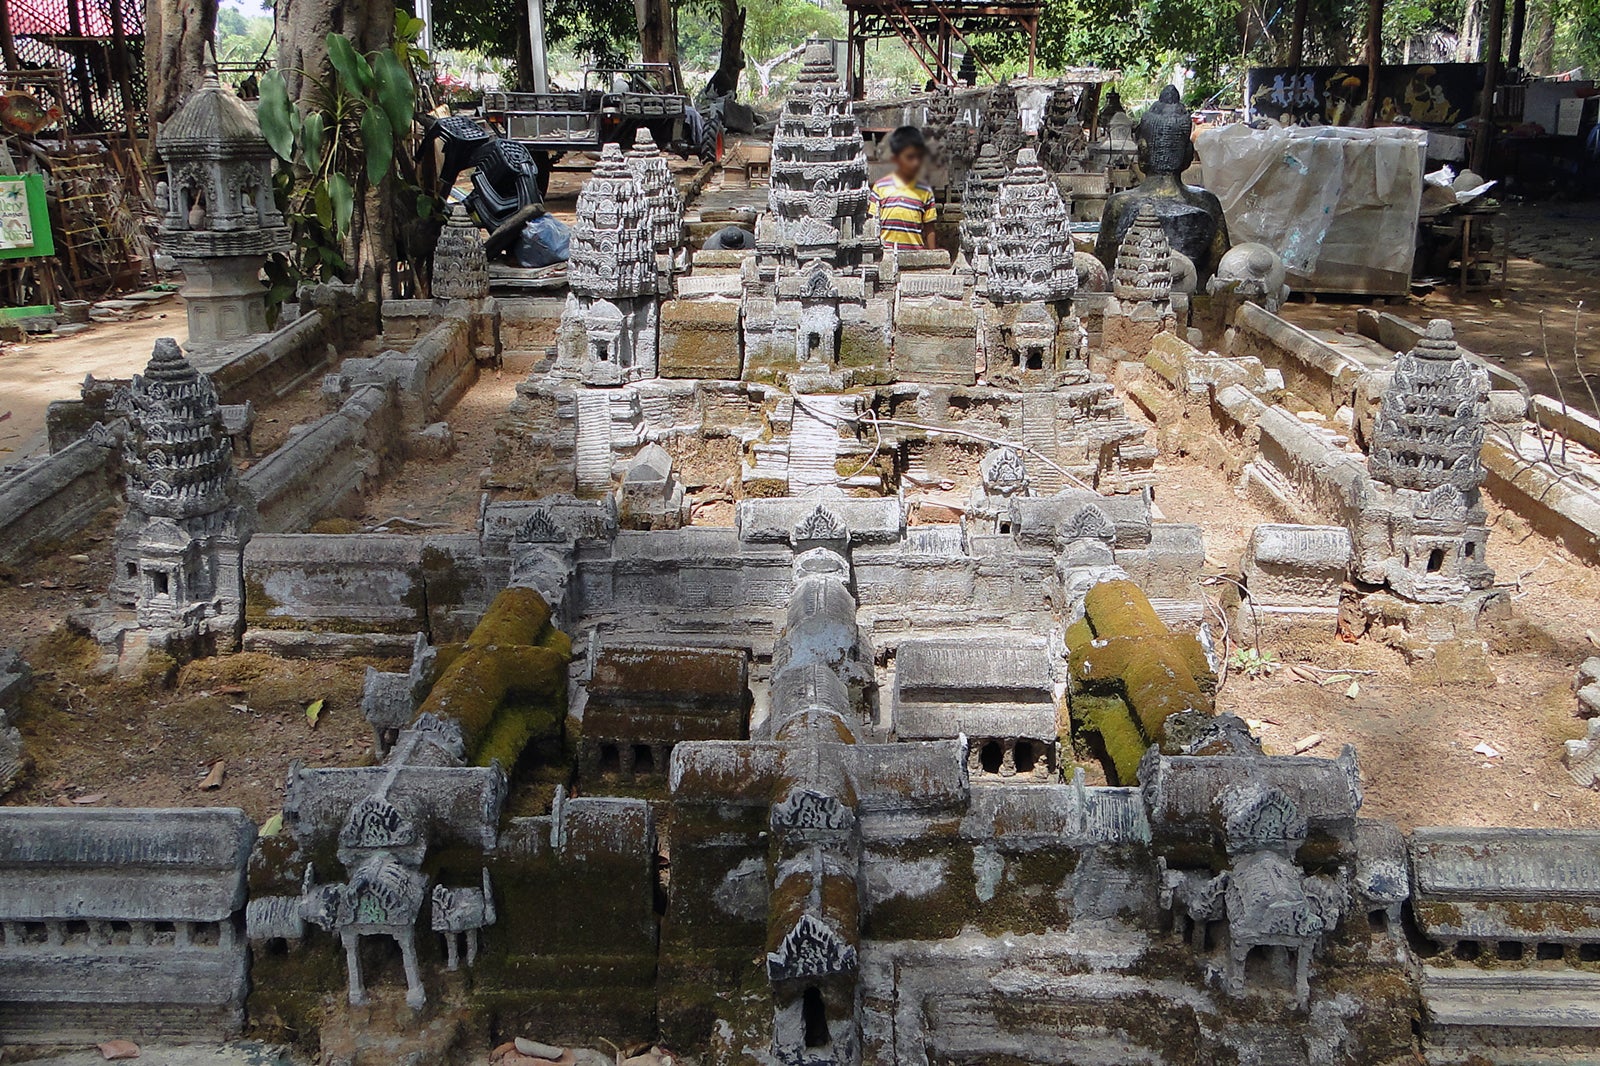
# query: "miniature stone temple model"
608,330
219,219
1191,216
460,265
179,545
800,669
1427,450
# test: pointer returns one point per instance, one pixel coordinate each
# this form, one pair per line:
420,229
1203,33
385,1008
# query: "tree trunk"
730,63
524,59
177,34
1369,118
1543,59
1297,34
303,27
8,43
1467,43
658,32
1493,41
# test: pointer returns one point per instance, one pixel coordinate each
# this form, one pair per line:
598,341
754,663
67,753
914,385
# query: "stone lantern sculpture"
219,220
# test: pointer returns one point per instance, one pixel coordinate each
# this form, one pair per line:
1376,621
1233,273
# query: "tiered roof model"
663,202
1002,123
180,462
977,200
460,264
1030,237
1430,426
819,169
1144,261
612,255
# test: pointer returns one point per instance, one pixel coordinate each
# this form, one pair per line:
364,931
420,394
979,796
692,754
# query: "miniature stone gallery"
1024,649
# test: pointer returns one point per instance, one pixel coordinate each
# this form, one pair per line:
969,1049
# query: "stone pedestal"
224,298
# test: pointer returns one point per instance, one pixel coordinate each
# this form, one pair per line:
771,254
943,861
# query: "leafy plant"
351,139
1253,662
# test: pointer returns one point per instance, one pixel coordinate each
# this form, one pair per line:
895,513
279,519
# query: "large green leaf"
322,201
343,198
350,65
394,91
276,115
377,140
311,141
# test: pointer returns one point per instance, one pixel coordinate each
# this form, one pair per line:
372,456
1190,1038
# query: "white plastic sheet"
1339,204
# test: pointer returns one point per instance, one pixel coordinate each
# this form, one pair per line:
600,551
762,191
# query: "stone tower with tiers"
218,218
608,329
1425,537
180,546
1029,332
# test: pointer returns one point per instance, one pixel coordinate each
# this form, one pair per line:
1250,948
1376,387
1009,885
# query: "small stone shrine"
218,216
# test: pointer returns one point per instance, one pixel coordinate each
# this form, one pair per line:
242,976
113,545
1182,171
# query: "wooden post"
1519,24
8,43
1492,41
1297,34
1374,60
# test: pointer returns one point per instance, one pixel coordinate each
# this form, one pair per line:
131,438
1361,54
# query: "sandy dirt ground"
1416,725
1550,303
35,373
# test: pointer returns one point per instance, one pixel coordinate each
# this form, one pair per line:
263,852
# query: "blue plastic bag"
545,240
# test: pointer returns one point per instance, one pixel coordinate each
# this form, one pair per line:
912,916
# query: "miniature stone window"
610,759
133,569
814,1014
1469,549
1378,921
644,759
1025,756
1551,952
206,934
75,932
1035,358
1467,950
1589,952
1509,951
164,934
161,582
991,756
1435,560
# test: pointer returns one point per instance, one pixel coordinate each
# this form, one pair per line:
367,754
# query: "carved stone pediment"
812,949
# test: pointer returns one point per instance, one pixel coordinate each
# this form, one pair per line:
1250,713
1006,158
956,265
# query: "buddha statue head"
1163,139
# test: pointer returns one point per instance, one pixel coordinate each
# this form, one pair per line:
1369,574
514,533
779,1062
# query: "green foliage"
350,139
1253,663
599,31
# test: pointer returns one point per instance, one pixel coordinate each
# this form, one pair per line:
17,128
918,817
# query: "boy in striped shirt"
900,201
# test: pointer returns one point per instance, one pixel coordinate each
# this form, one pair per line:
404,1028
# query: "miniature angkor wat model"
811,677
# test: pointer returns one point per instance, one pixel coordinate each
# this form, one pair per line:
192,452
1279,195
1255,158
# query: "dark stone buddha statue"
1191,217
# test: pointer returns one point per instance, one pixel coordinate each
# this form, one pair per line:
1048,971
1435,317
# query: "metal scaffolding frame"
930,30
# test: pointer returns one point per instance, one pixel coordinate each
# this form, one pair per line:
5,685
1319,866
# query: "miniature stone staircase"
814,444
593,449
1039,433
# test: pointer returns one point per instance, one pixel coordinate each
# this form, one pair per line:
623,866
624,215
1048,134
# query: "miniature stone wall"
327,467
55,497
122,921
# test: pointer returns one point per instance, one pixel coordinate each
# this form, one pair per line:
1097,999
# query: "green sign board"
24,217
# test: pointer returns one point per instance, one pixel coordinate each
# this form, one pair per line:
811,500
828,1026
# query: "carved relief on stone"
812,949
1144,262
